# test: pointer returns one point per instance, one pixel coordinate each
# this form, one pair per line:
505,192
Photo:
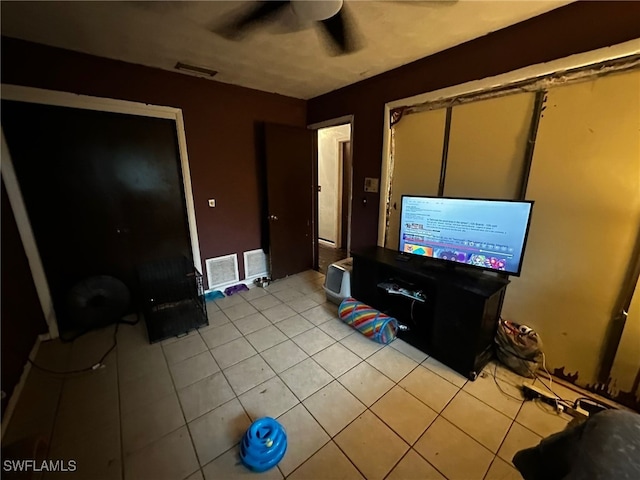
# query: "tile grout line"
276,375
503,440
57,412
513,420
117,359
122,469
460,429
226,378
367,408
361,360
395,383
299,402
336,379
186,424
237,398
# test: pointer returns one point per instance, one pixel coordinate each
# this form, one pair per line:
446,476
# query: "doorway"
334,194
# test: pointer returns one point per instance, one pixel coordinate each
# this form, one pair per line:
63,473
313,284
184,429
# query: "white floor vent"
255,264
222,271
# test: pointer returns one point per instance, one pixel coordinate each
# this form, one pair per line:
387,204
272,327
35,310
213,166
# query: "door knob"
273,217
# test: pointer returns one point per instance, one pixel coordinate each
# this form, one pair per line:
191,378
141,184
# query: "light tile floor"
351,408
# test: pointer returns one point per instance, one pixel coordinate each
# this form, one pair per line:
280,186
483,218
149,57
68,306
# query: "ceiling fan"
330,16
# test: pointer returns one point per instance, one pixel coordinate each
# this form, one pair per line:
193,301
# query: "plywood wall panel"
626,366
417,156
487,147
585,180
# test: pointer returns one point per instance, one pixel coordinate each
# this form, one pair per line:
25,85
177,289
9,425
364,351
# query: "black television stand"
449,313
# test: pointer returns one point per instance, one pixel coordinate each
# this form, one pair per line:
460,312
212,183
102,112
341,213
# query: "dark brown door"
289,158
103,192
345,152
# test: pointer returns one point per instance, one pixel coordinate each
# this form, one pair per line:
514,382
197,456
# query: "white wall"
329,179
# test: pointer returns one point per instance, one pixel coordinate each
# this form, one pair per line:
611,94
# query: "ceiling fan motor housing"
316,10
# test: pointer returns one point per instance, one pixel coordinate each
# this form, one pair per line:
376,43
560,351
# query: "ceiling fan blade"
263,10
341,31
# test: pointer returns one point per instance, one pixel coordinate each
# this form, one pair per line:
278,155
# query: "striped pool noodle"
368,321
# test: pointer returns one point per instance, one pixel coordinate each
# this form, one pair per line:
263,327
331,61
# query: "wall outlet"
212,202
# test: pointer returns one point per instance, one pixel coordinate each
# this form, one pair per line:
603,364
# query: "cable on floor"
495,379
413,319
538,377
96,365
73,338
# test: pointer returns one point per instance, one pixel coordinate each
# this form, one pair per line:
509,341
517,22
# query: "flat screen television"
486,234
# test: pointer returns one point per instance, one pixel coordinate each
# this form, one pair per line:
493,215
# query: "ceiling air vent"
255,264
222,271
195,70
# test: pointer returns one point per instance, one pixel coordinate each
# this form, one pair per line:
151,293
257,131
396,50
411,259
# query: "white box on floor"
337,283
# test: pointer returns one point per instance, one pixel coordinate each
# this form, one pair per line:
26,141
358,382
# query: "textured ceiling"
159,34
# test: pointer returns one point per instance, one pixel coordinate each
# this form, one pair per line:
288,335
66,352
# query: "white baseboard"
17,391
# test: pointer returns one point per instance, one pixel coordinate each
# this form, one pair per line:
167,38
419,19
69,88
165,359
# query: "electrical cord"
495,379
536,376
576,403
558,400
84,332
96,365
413,319
544,366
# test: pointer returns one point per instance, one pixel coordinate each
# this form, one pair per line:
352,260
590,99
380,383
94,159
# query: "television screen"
488,234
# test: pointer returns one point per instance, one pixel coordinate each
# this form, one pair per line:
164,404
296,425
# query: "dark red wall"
220,118
219,123
576,28
22,317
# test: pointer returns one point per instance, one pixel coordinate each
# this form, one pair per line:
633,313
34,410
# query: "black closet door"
103,191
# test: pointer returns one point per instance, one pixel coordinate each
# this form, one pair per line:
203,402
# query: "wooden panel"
585,180
417,156
487,146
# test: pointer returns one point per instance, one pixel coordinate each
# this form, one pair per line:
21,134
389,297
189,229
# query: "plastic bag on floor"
519,348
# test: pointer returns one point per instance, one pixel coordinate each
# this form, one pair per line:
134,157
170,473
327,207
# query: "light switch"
371,184
212,202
